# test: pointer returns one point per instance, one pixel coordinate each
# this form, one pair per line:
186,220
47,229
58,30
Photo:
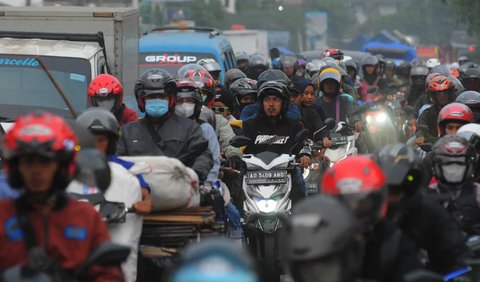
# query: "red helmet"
441,85
454,113
454,72
103,86
334,53
200,75
429,77
360,182
41,134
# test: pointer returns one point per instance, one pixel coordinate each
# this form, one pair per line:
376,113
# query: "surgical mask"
185,110
453,173
107,104
156,107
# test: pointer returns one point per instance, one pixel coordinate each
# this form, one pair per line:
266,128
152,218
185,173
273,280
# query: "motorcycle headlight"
369,118
266,205
381,117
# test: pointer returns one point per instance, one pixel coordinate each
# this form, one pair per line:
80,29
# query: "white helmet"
346,58
471,132
470,127
432,62
315,65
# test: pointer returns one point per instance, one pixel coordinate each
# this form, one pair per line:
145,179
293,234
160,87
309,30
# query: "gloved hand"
236,163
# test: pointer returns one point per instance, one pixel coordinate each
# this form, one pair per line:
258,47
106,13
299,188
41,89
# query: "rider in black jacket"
418,215
270,130
162,132
454,165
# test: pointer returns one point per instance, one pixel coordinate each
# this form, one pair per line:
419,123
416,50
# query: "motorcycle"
314,172
105,254
380,124
267,184
343,144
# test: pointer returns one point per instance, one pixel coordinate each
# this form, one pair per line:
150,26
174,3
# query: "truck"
75,44
248,40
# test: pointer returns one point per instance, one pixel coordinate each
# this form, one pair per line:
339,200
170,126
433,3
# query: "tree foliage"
467,12
431,20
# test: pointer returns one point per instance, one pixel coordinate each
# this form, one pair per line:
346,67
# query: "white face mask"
185,110
453,173
107,103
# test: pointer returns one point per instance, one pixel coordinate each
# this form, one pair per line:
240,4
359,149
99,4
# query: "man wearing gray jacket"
162,132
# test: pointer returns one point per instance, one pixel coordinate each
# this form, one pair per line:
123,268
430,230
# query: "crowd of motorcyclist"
384,215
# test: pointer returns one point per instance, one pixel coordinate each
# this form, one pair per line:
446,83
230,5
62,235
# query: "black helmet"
454,160
390,64
241,56
156,81
419,70
463,68
275,75
322,227
403,70
258,64
469,98
101,121
258,60
351,64
275,88
401,166
418,75
231,75
471,79
240,88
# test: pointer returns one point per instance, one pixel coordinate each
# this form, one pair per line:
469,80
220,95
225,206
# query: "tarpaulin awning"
391,50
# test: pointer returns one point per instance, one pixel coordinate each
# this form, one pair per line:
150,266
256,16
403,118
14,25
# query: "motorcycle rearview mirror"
298,139
239,141
106,254
329,125
301,136
93,169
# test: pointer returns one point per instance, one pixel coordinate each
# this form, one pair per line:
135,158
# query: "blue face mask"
156,108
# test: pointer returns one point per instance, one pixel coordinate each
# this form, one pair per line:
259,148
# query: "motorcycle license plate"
267,177
341,140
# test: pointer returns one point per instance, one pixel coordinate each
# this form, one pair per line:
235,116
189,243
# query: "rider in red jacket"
105,91
40,152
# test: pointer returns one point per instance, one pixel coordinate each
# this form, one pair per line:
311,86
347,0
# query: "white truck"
248,40
75,44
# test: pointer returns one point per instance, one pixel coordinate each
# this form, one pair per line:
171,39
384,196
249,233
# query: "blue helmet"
215,260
